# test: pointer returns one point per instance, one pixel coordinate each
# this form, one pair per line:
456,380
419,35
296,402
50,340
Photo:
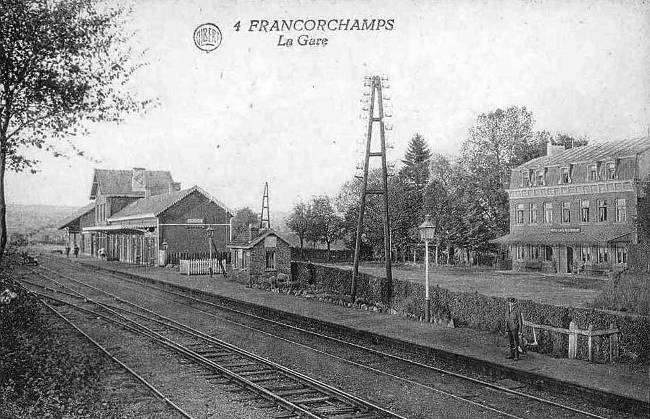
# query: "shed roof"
76,215
255,240
592,153
118,182
154,205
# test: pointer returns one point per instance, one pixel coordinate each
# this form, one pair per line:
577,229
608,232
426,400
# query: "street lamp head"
427,229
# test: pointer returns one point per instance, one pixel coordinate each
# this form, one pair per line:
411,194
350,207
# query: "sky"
251,111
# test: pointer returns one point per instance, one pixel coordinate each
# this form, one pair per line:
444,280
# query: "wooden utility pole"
265,206
375,84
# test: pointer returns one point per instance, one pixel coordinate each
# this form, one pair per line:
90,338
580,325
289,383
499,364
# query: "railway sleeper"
257,372
286,387
262,379
312,400
299,392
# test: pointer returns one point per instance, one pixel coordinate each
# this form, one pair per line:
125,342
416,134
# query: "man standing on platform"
513,325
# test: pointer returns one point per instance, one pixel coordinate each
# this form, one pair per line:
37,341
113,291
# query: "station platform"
617,383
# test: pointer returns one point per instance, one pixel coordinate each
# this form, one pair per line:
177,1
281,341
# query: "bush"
630,292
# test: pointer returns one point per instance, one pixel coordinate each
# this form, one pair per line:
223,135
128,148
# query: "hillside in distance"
29,218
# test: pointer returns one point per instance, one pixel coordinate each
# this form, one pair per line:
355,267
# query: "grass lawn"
561,290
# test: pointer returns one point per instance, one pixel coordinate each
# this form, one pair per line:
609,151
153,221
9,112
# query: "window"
534,252
270,258
520,252
564,175
541,177
584,211
602,210
240,258
520,214
585,253
621,253
525,179
548,253
602,254
593,173
548,212
246,256
611,171
235,258
533,214
621,213
566,212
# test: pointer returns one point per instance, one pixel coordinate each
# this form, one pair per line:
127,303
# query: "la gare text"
302,40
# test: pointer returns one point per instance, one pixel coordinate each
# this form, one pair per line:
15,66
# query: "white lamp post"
427,232
210,231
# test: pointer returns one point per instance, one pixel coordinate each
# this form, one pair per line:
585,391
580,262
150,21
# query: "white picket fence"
200,266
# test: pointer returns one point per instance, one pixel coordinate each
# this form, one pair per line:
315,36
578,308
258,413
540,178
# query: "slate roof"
592,153
76,215
118,182
238,243
154,205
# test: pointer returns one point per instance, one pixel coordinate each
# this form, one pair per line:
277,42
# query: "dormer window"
525,179
564,175
593,173
541,177
611,171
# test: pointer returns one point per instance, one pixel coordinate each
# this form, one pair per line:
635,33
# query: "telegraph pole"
265,206
375,83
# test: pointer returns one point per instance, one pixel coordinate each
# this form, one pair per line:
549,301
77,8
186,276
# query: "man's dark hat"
511,300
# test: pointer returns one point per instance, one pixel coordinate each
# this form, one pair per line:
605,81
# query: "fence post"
590,341
573,340
613,344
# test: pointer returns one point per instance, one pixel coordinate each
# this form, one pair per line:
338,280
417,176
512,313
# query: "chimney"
138,179
174,187
253,231
552,149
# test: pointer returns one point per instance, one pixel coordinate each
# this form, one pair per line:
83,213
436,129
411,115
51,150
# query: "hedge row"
477,311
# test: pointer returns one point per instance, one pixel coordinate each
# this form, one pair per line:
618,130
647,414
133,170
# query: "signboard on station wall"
195,222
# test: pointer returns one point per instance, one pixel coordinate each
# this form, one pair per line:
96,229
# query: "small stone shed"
260,256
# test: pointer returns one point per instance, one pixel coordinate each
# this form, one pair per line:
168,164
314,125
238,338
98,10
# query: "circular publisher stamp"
207,37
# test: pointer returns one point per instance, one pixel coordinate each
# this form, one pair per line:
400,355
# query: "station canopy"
555,236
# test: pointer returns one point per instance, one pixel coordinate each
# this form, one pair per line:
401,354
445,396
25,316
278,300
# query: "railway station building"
574,210
144,217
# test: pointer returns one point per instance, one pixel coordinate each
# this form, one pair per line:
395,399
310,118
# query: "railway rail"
525,406
155,391
297,393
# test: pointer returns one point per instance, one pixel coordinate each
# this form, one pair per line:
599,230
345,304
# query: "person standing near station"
76,250
67,250
513,326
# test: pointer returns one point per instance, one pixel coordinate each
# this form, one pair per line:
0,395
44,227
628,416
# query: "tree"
569,141
300,221
327,225
63,64
243,218
416,163
499,141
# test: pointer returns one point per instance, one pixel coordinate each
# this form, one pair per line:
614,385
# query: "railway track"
224,363
130,372
519,404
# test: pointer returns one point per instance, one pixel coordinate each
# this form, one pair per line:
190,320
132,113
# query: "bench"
533,265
